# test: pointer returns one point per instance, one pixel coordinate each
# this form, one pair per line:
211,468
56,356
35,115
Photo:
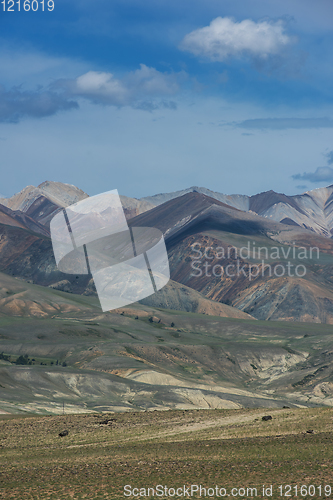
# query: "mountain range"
194,220
311,210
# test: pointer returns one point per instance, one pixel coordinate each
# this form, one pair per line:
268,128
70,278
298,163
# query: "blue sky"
150,97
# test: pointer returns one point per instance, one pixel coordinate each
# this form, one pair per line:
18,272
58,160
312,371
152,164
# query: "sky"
156,96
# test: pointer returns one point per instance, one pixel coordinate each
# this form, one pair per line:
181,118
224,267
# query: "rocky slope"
20,219
194,223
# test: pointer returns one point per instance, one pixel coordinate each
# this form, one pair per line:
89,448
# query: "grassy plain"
228,448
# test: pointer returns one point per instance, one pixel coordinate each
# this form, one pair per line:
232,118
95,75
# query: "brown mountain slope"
30,257
22,299
178,297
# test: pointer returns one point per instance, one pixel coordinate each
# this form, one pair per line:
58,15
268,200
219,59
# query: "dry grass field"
226,448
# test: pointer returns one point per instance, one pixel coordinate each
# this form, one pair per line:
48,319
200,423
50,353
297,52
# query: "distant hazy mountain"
311,210
58,193
41,203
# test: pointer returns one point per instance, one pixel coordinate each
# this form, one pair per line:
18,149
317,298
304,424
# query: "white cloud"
135,88
149,81
225,38
102,87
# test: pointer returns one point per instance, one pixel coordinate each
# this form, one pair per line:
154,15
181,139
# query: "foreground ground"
229,448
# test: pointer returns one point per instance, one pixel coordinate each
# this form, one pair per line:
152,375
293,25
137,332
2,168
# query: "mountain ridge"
312,210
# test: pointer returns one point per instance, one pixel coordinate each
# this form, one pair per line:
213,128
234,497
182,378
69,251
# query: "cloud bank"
16,104
322,174
286,123
225,38
145,88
